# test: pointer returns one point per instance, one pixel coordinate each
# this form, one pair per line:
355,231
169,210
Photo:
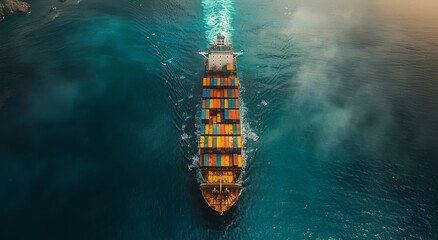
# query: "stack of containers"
220,142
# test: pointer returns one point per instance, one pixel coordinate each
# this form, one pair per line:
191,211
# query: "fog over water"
100,101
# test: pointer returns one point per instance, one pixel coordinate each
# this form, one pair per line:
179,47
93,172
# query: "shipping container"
220,82
220,93
231,114
220,103
221,142
218,160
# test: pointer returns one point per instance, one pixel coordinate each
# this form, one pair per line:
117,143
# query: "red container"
211,159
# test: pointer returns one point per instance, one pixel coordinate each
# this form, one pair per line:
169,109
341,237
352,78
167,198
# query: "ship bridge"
220,56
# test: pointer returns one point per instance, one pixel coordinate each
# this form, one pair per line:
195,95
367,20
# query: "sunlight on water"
218,16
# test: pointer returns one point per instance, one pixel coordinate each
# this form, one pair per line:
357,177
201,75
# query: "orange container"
211,159
227,82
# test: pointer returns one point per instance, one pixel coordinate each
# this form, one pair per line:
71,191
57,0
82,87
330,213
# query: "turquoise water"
100,104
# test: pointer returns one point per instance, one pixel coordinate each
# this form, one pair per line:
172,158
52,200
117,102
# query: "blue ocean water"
100,104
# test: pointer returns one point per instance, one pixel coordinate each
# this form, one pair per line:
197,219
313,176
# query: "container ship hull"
220,141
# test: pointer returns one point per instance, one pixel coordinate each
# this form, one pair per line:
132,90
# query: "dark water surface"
98,106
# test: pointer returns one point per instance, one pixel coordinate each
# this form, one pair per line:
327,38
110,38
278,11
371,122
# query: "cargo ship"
220,141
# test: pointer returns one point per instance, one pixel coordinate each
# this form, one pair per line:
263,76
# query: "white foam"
185,136
218,18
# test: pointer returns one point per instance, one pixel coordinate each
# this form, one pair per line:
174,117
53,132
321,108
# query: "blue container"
215,129
234,129
231,103
206,92
218,160
205,159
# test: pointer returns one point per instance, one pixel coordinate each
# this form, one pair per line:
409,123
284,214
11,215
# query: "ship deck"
220,142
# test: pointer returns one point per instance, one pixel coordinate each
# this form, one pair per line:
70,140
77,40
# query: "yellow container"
224,160
239,160
219,142
228,128
201,142
210,142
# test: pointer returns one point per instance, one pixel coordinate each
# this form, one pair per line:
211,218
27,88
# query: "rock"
10,7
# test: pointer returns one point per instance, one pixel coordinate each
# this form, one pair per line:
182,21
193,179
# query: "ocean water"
100,103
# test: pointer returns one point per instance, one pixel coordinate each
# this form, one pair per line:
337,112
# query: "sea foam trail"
218,15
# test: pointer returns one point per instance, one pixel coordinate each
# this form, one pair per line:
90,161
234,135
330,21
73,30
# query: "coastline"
13,7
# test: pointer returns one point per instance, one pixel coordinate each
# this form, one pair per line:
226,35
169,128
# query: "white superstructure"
220,56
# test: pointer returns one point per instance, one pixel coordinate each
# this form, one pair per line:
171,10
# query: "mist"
346,90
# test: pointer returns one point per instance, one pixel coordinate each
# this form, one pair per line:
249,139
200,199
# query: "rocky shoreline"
11,7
